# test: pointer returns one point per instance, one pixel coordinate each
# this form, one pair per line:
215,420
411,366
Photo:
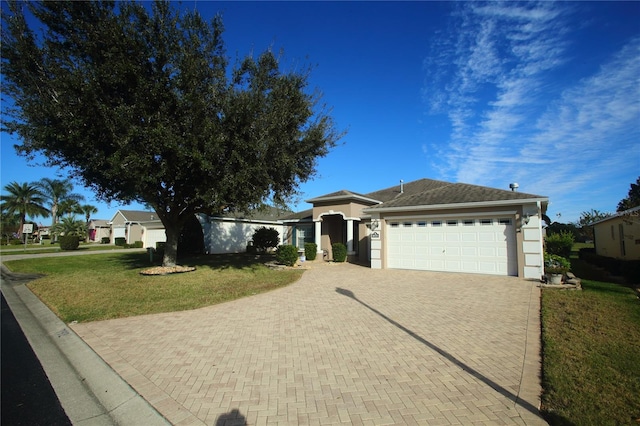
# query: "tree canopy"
142,105
633,198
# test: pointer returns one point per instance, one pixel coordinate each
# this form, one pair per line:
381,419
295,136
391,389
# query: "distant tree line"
582,229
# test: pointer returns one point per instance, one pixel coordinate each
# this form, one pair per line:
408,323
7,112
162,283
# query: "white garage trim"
482,243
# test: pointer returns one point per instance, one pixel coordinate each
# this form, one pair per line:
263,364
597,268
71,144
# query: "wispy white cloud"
512,121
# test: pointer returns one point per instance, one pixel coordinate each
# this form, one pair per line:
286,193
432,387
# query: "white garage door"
153,236
476,245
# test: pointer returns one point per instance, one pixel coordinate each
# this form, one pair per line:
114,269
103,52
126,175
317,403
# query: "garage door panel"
486,237
469,237
436,237
479,246
469,251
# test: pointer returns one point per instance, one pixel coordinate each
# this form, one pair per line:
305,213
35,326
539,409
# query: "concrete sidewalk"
90,392
345,344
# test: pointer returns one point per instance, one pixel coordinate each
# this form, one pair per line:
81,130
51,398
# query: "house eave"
373,210
343,198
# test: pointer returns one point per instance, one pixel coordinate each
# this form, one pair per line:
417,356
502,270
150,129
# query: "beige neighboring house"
429,225
98,229
618,236
136,225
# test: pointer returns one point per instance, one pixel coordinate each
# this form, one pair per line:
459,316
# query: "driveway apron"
345,344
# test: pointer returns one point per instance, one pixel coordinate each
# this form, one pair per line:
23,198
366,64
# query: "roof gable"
137,215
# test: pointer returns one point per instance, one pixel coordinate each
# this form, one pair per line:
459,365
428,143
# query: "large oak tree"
142,104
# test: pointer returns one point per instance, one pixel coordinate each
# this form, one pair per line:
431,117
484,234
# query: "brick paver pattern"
345,344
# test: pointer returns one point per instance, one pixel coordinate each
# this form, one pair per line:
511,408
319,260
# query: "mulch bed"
167,270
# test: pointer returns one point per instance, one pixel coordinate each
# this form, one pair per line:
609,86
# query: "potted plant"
555,267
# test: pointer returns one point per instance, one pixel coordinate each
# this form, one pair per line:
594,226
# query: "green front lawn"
591,353
105,286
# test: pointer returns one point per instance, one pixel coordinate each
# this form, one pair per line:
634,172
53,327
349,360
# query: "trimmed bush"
310,251
287,255
120,241
559,244
104,240
137,244
265,238
339,252
69,242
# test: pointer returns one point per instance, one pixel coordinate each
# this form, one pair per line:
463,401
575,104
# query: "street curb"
90,391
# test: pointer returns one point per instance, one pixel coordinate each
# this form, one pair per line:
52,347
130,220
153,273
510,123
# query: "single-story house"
429,225
424,225
136,225
98,229
618,236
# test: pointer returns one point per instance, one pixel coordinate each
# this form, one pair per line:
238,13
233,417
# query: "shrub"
559,244
264,238
120,241
137,244
69,242
104,240
339,252
160,245
310,251
16,242
287,255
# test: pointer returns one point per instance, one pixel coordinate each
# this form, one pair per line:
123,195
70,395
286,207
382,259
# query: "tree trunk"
171,245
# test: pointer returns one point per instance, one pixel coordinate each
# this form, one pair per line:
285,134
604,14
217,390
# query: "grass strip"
106,286
591,355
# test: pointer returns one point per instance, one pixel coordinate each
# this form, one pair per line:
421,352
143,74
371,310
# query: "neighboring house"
618,236
135,225
232,232
98,229
429,225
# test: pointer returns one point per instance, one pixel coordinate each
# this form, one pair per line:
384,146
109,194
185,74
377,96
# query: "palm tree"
69,226
88,210
68,207
55,192
23,199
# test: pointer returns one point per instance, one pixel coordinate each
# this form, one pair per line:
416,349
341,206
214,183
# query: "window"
436,223
394,224
486,222
422,224
452,223
504,221
468,222
304,234
407,224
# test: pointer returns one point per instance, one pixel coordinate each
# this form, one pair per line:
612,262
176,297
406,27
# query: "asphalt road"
27,396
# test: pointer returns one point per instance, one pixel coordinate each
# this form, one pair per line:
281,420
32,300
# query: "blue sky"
544,94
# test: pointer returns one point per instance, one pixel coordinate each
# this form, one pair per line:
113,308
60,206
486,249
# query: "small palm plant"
68,225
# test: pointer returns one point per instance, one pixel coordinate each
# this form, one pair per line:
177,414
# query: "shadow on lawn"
141,260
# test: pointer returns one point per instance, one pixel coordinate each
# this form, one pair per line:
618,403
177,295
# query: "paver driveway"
345,344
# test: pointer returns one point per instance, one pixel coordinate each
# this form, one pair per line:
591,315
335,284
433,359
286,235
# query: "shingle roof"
424,192
305,214
139,216
342,194
430,192
268,213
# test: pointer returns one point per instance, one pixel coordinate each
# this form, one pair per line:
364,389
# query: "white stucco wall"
226,236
